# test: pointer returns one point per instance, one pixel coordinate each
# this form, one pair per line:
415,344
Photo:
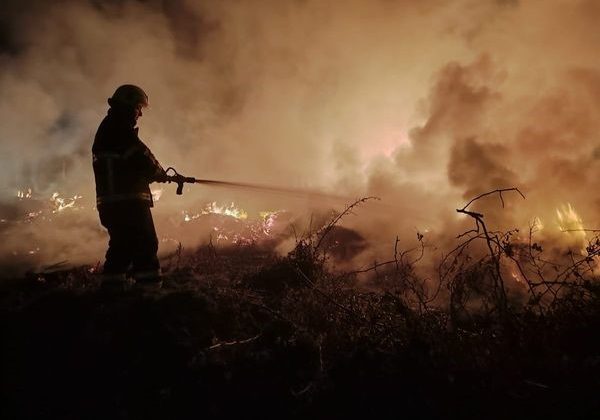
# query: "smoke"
423,104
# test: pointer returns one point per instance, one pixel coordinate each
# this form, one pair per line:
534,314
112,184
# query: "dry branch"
325,231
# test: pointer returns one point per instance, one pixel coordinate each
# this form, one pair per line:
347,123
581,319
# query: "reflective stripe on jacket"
123,165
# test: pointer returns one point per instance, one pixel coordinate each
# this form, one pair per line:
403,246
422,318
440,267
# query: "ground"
244,332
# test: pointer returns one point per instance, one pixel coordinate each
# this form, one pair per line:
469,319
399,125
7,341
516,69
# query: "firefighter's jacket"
123,165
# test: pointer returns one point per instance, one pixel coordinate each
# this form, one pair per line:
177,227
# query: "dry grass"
243,330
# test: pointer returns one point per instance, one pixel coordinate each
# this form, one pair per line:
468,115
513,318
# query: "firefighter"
123,168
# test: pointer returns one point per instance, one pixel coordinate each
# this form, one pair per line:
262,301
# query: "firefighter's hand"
161,177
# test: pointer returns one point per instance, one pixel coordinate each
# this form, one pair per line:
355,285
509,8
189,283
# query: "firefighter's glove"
161,177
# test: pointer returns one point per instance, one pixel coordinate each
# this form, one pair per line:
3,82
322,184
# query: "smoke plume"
424,104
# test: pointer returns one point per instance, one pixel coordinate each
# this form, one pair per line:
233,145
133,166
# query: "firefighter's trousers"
133,243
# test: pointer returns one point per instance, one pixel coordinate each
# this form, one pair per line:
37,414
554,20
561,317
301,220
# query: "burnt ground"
244,333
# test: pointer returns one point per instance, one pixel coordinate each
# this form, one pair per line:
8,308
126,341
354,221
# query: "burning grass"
239,329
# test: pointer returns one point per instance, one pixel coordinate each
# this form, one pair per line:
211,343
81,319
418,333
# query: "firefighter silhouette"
123,168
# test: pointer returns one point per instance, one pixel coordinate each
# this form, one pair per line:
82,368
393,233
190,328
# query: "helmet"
129,95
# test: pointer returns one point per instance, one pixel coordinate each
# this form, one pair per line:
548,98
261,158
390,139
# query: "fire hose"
179,179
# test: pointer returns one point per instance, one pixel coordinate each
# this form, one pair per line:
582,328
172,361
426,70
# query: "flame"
212,208
516,276
245,231
24,194
569,220
231,210
268,221
61,203
187,217
156,194
537,224
56,204
571,223
33,215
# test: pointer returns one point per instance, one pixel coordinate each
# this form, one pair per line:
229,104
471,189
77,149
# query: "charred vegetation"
241,330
